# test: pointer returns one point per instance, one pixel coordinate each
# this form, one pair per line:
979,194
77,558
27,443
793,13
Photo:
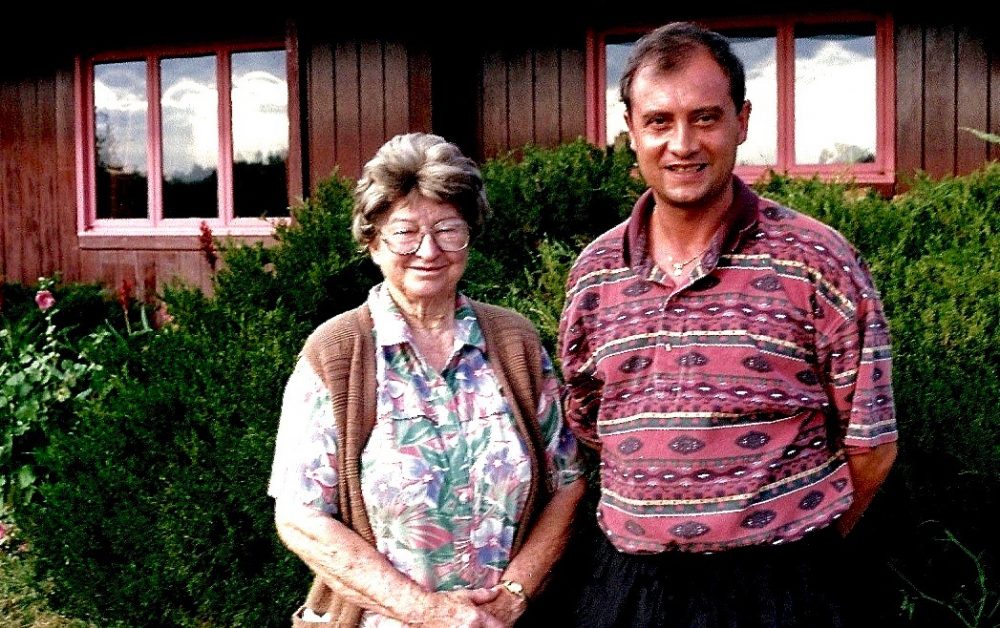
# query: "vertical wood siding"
947,77
148,270
37,182
359,94
357,91
530,96
994,116
972,84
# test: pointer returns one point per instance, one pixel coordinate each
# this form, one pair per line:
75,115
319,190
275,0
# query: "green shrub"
540,292
160,508
46,372
571,193
82,307
315,270
22,594
157,514
935,257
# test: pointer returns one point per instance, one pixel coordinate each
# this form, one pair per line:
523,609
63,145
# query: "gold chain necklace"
678,267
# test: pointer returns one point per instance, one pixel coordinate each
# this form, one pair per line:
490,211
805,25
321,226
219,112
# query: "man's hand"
868,471
506,607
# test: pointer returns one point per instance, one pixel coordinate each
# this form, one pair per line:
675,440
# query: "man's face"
685,131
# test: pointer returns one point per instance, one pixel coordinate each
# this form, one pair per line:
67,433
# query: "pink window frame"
225,223
881,171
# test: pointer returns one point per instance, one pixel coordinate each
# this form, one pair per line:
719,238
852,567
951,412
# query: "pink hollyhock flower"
161,317
44,299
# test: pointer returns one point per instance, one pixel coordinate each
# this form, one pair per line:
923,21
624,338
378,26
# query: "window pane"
190,117
757,51
616,54
260,134
835,110
120,107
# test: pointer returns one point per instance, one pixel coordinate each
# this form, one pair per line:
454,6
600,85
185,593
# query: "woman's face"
430,274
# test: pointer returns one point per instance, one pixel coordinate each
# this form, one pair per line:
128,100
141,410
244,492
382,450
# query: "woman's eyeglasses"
406,238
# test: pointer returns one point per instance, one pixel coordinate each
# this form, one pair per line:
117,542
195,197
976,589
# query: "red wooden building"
120,137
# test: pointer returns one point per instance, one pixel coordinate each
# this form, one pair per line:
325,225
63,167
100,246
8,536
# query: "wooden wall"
490,94
360,93
530,96
149,263
947,77
37,183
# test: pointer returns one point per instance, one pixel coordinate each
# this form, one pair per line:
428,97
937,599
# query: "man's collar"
741,215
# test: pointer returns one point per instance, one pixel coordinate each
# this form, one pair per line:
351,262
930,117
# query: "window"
168,140
822,92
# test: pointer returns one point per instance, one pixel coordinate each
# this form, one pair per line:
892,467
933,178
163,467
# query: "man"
729,359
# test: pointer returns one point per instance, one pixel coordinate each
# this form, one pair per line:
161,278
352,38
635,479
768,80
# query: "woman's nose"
428,246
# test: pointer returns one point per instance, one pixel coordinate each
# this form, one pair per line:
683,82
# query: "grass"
22,596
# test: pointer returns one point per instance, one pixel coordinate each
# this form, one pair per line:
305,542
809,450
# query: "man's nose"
683,140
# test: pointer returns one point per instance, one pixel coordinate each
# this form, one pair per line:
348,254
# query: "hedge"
157,510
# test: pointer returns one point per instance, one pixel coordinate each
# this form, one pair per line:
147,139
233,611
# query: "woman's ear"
375,251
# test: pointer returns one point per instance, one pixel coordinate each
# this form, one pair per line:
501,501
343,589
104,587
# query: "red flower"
208,244
125,294
44,299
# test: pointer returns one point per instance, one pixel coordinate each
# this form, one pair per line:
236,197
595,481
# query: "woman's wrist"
414,605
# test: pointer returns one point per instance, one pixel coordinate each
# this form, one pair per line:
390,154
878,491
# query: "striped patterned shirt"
724,405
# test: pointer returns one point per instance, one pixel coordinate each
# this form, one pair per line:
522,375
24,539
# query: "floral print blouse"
444,475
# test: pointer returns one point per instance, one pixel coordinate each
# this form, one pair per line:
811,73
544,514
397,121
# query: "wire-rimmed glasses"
405,238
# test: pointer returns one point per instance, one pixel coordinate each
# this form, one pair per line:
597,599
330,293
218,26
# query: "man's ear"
743,115
631,136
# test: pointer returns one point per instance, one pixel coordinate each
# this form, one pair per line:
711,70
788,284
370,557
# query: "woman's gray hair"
419,162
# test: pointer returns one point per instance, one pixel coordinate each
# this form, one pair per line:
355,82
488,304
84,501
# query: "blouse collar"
391,328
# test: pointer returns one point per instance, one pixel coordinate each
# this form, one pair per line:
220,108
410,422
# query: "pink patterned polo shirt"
724,405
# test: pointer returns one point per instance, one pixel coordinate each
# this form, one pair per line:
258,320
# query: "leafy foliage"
571,194
46,372
159,501
156,512
935,257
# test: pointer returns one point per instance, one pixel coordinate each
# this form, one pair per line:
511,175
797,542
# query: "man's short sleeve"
857,361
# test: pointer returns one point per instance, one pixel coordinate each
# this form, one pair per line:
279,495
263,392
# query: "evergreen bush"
159,515
47,333
157,512
570,194
935,257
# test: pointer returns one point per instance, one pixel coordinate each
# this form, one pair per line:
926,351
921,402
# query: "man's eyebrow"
652,113
708,109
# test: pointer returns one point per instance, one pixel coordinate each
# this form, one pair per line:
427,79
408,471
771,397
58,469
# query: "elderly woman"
422,468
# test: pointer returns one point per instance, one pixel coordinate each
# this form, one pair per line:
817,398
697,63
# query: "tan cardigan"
342,352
